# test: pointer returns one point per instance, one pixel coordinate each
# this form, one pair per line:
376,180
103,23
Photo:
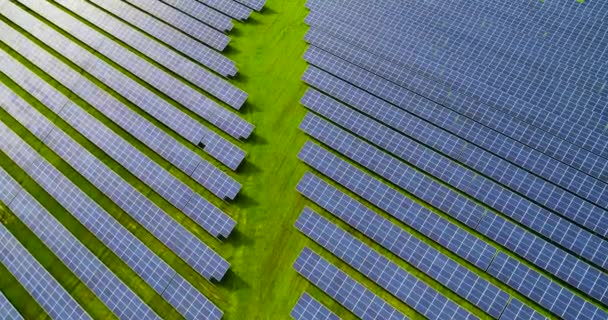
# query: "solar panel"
49,294
414,251
180,122
182,22
516,310
307,308
197,10
125,245
589,131
229,7
214,179
566,267
161,54
83,263
176,153
560,174
463,104
437,228
534,248
253,4
439,196
387,274
540,289
344,289
7,309
189,302
532,187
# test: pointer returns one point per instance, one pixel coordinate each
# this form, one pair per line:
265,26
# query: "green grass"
261,283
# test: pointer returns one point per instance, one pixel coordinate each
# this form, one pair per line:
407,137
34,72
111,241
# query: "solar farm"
305,159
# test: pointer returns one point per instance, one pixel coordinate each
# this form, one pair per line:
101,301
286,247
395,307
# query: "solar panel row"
195,9
387,274
344,289
549,294
156,51
8,311
516,310
153,137
83,263
561,231
159,179
587,134
163,111
414,251
457,42
253,4
530,247
182,22
125,245
230,8
162,226
307,308
49,294
560,174
534,188
444,95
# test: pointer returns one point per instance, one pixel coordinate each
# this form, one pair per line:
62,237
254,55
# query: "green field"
261,283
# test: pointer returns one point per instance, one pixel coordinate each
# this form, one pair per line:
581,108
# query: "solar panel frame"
558,173
308,308
9,311
414,251
532,136
40,284
340,287
123,302
376,267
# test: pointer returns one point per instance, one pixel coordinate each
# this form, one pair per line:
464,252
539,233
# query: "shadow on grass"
244,201
230,50
267,11
256,139
232,281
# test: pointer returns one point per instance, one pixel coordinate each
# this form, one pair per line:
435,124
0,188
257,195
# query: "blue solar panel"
549,294
193,8
429,260
516,310
83,263
175,119
230,8
8,311
463,104
560,174
570,236
307,308
159,179
396,280
391,45
49,294
253,4
556,199
180,21
161,54
344,289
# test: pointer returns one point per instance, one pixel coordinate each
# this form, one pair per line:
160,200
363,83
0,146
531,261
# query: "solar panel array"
480,127
307,308
347,291
146,79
